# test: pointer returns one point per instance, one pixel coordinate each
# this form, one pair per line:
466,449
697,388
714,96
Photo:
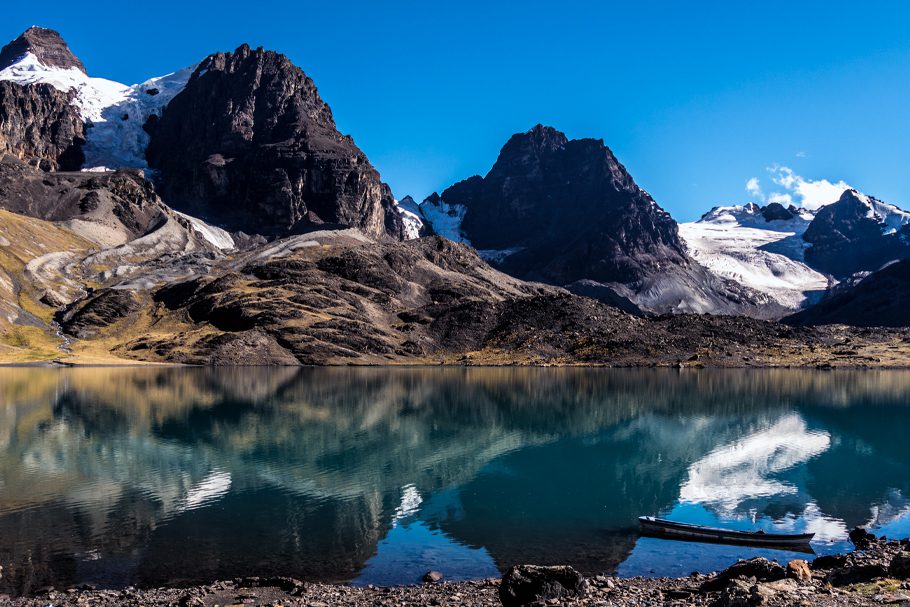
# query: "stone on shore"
900,567
527,584
432,577
861,538
759,568
798,569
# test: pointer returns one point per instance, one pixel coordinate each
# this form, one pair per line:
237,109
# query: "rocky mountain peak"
250,145
45,44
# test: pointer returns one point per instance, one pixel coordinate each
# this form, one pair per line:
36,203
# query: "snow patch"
214,235
113,113
411,216
445,218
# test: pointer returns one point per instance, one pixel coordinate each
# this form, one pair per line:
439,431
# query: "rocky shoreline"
877,572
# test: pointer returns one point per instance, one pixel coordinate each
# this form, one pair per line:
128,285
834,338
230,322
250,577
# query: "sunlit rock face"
105,470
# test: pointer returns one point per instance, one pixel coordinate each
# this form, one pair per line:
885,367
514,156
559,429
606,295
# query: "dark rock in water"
432,577
45,44
250,145
856,574
881,299
527,584
861,538
830,561
900,567
776,212
39,125
851,236
759,568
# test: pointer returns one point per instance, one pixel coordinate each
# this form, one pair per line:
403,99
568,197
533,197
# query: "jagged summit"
250,145
45,44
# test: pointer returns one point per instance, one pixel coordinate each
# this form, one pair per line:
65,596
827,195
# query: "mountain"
882,299
566,212
46,45
249,144
857,233
759,247
103,265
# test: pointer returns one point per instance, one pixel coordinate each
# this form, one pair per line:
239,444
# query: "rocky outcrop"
109,208
45,44
250,145
571,207
39,124
530,584
759,568
881,299
856,234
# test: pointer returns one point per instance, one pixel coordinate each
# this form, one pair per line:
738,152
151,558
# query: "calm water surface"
165,476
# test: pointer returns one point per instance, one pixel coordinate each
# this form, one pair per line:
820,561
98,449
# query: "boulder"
856,574
861,538
526,584
900,567
738,593
798,569
432,577
759,568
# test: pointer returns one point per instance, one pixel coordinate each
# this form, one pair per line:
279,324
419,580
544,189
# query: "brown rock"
798,569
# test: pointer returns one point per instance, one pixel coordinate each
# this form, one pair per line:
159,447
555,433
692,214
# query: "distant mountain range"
217,215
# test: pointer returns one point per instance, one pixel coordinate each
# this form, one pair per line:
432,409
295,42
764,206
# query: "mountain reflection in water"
120,476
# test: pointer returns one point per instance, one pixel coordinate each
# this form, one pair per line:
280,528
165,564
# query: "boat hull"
695,533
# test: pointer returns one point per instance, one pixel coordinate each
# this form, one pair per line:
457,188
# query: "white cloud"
754,188
807,193
801,154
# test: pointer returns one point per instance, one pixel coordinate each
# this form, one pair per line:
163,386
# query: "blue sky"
695,98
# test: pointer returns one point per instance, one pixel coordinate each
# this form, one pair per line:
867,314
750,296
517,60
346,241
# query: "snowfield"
113,112
737,243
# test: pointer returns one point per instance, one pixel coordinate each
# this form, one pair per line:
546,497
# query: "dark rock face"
46,44
776,212
847,237
882,299
527,584
38,124
250,145
759,568
573,208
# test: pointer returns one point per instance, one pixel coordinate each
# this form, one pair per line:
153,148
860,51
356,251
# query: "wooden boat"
697,533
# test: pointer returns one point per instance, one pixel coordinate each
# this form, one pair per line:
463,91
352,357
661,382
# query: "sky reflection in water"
154,476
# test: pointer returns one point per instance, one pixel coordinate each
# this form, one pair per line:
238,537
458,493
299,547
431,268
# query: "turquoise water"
131,476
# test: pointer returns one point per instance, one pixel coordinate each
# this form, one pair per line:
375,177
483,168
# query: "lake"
153,476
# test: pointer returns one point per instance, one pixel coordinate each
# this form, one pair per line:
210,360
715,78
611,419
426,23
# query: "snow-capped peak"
114,113
891,217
